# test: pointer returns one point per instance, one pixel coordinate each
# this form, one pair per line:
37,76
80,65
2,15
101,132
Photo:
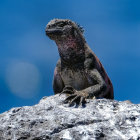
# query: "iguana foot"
78,97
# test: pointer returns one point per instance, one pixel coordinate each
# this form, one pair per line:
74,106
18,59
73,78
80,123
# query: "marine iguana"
78,72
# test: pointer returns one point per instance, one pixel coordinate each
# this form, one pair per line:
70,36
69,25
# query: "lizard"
78,72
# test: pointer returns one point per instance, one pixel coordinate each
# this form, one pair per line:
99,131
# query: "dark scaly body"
78,66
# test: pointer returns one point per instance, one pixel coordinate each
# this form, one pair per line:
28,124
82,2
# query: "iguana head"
69,38
58,29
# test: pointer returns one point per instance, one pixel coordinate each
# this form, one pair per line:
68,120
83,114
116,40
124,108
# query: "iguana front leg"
93,91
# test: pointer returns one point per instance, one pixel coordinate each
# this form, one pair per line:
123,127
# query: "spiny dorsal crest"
80,27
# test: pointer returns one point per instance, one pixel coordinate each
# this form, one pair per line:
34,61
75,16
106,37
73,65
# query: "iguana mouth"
54,32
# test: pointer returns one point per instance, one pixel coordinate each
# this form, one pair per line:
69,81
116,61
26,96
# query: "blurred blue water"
112,29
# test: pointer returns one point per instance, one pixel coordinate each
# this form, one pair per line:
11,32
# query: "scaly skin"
78,72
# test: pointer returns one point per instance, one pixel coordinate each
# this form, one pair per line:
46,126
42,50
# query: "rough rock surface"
100,119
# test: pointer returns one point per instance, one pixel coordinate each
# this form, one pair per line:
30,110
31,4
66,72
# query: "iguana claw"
78,97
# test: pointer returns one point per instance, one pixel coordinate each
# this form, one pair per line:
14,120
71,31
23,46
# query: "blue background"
28,57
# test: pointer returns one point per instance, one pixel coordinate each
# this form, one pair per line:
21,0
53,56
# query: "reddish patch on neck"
70,49
67,43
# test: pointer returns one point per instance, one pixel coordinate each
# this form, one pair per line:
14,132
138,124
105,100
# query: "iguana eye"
61,24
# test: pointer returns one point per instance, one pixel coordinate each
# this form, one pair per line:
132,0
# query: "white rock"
51,119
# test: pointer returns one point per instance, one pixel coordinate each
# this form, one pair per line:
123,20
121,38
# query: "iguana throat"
71,50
